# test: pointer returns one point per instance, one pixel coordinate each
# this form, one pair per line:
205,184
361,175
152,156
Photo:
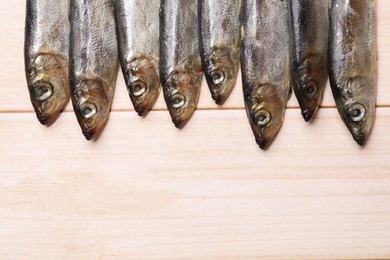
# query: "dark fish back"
353,64
266,66
94,62
180,62
46,56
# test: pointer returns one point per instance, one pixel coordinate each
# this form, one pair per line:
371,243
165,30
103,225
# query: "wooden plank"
16,97
225,135
145,190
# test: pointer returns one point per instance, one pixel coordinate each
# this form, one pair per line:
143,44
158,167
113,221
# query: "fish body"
180,62
310,46
220,41
93,62
46,56
353,63
139,50
266,65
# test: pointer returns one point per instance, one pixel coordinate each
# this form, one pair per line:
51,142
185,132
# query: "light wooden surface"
145,190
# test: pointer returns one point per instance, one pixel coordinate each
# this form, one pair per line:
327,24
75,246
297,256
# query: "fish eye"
138,88
42,91
88,110
178,100
357,112
217,76
262,117
310,89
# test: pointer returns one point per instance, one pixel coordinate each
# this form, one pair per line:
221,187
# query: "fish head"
265,109
92,105
181,95
309,83
143,85
356,105
48,84
221,67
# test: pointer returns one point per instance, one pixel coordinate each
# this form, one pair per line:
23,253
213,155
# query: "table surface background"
147,190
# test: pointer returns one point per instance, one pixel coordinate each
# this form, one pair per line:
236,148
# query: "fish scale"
266,66
46,56
94,62
353,64
180,62
310,46
139,50
220,40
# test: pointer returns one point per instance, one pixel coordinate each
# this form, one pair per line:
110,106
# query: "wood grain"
205,192
145,190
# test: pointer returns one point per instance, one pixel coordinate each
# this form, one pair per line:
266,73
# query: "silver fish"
93,62
353,63
46,56
180,64
220,42
139,50
310,48
266,65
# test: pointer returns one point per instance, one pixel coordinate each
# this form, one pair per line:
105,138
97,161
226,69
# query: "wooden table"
147,190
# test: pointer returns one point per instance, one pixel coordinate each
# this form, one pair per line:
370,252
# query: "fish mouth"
266,124
261,120
42,118
47,119
91,104
91,118
221,84
356,121
49,96
180,122
360,139
181,94
309,84
181,108
221,73
88,134
143,85
308,114
143,95
262,143
265,108
47,78
88,118
309,96
355,102
358,133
